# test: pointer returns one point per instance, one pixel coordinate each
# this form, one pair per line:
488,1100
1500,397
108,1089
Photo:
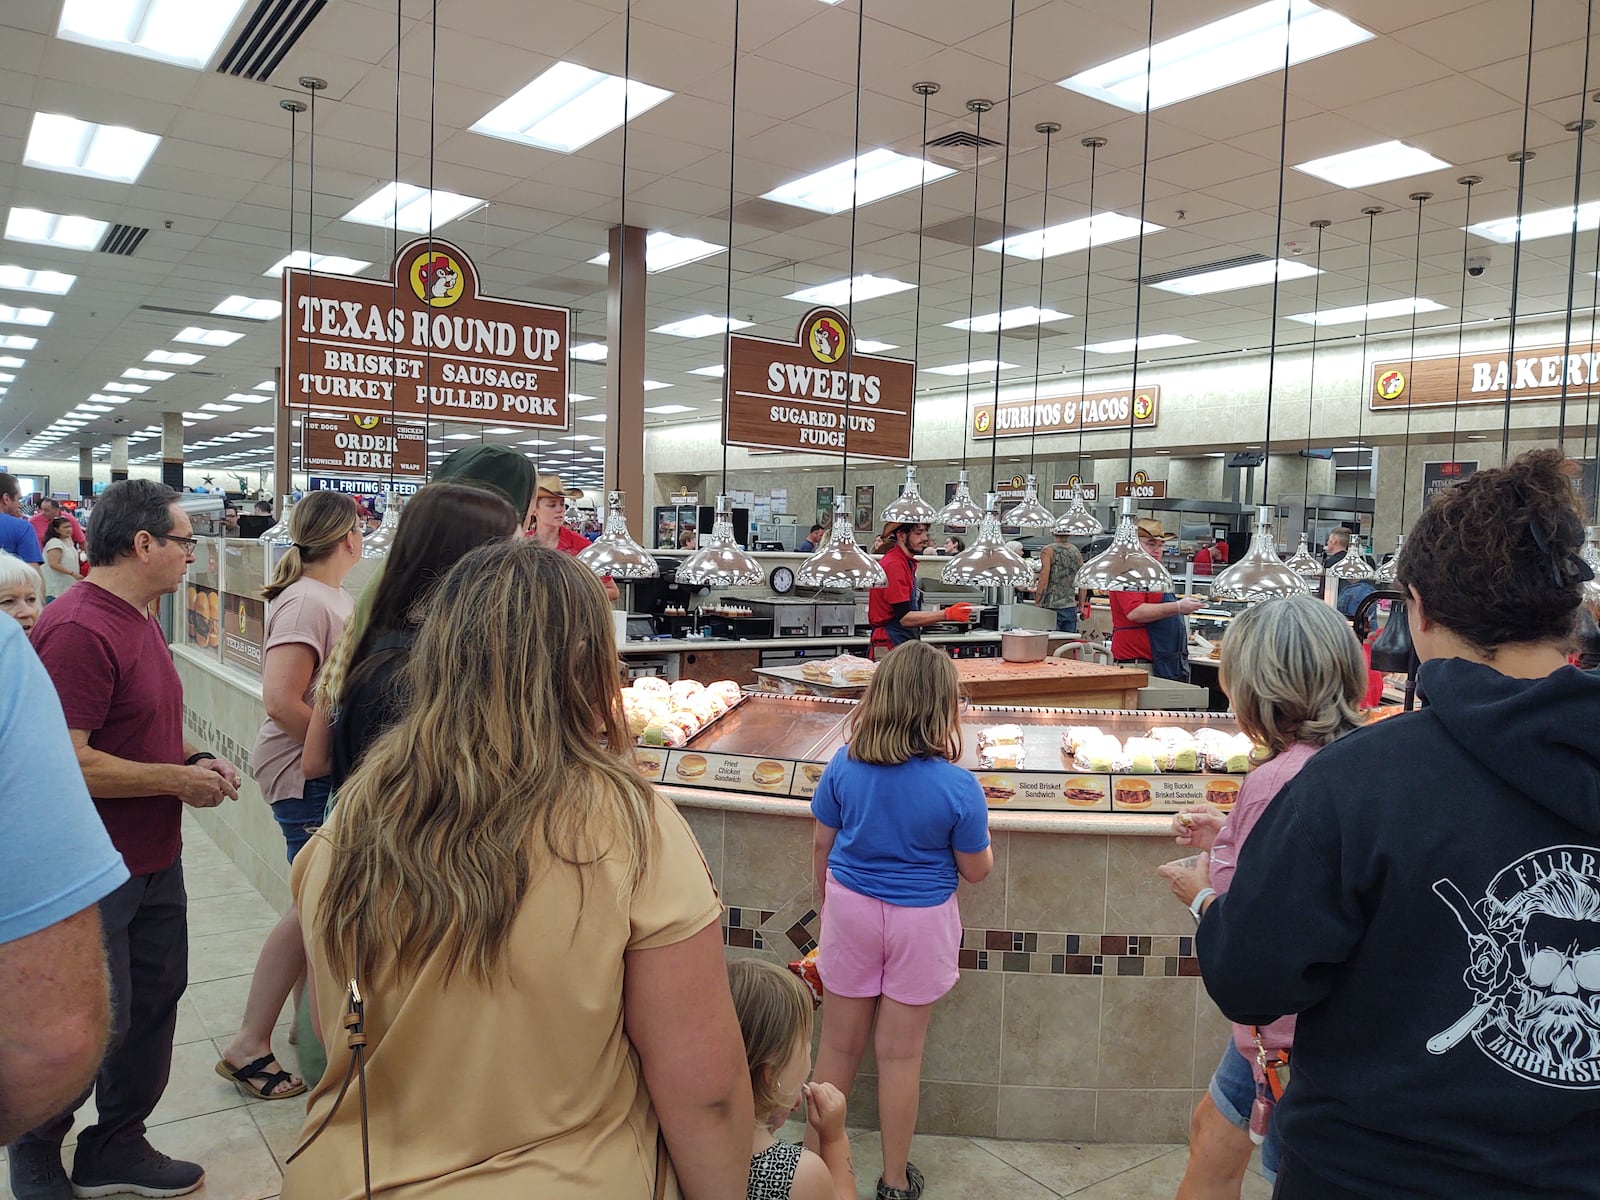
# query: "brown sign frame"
1394,382
402,445
1142,487
1063,413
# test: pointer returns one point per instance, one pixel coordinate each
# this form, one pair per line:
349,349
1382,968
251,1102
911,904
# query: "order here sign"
424,342
364,444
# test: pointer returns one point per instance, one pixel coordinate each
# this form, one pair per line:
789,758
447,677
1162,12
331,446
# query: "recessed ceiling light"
207,337
1230,279
200,416
25,316
1372,164
667,410
53,229
1149,341
102,398
871,176
8,360
1367,312
1009,319
244,306
536,442
1549,223
1102,229
714,370
977,367
1477,437
460,437
50,283
593,417
17,341
868,346
580,437
655,385
588,351
842,291
1218,55
214,407
131,388
141,373
663,251
704,325
185,33
95,408
267,385
174,358
325,264
74,147
409,207
6,377
568,107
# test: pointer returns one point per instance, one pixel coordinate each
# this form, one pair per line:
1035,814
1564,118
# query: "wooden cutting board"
1056,682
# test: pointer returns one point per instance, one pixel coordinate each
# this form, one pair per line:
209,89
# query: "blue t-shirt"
17,536
899,826
56,858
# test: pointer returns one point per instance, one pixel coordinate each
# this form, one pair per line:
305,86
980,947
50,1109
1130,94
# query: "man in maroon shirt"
123,702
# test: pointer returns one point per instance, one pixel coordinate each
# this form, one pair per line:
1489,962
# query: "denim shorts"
1067,619
1233,1091
300,817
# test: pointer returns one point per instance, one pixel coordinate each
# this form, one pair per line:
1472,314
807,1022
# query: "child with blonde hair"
774,1010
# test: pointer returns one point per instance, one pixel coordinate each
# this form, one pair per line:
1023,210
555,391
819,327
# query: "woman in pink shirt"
1295,676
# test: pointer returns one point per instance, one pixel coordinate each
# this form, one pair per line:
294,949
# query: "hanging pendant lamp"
1355,564
988,562
1260,574
1125,565
1302,562
378,543
1078,521
839,562
961,512
908,508
1029,513
614,552
278,533
1384,574
720,562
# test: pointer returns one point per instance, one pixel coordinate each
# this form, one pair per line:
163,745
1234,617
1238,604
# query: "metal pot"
1024,645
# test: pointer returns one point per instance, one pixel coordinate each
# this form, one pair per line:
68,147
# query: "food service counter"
1079,1014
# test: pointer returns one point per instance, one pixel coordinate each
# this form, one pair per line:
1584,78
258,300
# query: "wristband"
197,756
1200,898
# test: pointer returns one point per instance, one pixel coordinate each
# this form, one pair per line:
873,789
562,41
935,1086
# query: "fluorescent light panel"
1101,230
593,417
185,33
655,385
49,283
667,410
141,373
25,316
714,371
568,107
663,251
588,351
1549,223
253,310
42,228
1011,318
1232,279
1149,341
843,291
979,366
868,346
1367,312
1372,164
875,175
61,143
412,208
207,337
16,341
1217,55
134,388
8,360
703,325
326,264
176,358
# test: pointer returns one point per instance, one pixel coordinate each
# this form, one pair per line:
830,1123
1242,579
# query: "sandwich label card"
1170,793
728,772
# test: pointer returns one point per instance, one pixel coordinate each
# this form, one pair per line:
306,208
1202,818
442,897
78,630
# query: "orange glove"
961,613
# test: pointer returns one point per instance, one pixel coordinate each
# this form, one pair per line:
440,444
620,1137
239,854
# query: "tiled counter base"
1079,1014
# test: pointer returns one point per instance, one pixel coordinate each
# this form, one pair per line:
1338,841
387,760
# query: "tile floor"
242,1143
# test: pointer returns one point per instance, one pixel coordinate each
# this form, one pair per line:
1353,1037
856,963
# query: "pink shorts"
871,948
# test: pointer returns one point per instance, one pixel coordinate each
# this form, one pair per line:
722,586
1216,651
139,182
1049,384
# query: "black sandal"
240,1077
914,1192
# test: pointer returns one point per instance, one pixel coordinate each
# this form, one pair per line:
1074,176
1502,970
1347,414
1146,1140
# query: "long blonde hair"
911,709
317,524
512,758
775,1015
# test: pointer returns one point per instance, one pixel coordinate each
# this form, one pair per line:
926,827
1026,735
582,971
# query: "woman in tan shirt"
533,929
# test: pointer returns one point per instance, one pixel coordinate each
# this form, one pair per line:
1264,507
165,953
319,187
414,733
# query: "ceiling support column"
85,472
119,457
172,449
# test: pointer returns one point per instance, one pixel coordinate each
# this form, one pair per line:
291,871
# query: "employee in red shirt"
550,529
1148,627
894,610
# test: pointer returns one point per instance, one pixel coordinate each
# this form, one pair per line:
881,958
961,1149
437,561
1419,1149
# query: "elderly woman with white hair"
19,590
1295,676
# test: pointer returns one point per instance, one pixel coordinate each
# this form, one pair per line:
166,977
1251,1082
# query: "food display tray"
789,681
771,745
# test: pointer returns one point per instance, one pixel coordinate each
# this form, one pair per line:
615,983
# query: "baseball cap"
499,468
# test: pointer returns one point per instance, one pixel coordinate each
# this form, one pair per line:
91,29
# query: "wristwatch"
1195,905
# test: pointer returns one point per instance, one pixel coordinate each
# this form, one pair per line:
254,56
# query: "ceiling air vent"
272,31
122,239
1244,260
963,149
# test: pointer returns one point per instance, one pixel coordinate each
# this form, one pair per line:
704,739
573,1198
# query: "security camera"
1477,265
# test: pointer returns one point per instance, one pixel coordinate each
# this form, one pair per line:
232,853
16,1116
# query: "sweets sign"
1068,414
424,342
816,394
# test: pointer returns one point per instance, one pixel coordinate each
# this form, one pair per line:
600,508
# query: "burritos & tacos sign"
1068,414
425,343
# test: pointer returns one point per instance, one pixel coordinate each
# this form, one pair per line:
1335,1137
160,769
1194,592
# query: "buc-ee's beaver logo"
1391,384
981,420
826,340
436,278
1143,406
365,420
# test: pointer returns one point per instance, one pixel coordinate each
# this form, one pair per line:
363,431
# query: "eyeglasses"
188,543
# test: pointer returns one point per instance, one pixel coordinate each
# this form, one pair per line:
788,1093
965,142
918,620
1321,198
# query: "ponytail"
317,524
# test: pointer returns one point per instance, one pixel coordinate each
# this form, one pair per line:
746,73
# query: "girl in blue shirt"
897,822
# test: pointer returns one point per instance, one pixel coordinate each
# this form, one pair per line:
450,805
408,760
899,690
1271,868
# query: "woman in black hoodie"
1426,892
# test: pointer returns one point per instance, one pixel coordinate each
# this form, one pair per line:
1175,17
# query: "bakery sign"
1535,373
363,443
817,394
424,343
1068,414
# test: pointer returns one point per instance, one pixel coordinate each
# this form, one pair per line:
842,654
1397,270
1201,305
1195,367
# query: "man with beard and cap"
895,610
1425,894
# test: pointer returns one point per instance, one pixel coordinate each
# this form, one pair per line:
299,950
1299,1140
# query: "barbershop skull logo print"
1534,969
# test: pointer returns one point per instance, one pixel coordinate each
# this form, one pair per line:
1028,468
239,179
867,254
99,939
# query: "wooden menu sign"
1537,373
363,444
424,341
801,395
1068,414
1142,487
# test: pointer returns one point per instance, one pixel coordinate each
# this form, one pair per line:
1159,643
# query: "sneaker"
147,1173
914,1192
37,1173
